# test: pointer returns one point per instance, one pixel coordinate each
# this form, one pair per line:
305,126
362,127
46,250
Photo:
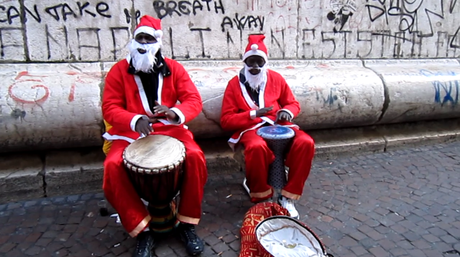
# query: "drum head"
275,132
283,236
155,152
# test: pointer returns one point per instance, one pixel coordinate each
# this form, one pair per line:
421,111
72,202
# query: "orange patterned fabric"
107,144
250,246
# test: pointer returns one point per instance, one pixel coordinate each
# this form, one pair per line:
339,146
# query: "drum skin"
283,236
276,132
250,246
154,165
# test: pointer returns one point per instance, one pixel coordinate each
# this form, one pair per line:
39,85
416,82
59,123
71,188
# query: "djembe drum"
154,165
278,139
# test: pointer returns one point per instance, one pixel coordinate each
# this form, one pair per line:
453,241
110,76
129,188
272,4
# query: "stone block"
74,171
332,143
420,133
20,177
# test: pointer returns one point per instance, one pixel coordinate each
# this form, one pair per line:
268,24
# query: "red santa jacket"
237,105
124,99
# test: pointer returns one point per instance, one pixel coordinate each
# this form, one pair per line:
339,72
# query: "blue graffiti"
448,88
330,99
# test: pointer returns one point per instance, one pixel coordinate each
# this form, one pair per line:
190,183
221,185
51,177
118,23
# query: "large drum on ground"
283,236
278,139
267,231
154,165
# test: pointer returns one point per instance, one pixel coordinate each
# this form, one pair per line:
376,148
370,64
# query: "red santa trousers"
258,158
123,197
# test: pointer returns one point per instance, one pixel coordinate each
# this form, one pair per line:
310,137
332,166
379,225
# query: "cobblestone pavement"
401,203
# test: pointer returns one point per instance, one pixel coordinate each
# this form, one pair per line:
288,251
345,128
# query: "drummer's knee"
256,146
306,141
112,163
195,153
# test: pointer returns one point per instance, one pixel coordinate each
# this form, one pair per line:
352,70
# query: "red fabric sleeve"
114,100
187,93
235,112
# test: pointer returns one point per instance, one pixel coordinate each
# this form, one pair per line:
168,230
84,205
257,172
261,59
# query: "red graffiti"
72,93
22,84
24,101
232,69
194,69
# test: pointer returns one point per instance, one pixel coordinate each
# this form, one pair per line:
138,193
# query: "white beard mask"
143,62
255,81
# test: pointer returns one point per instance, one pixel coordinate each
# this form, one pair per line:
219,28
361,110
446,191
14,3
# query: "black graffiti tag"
57,12
186,8
241,22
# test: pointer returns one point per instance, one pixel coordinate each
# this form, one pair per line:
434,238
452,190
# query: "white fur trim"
266,119
149,30
288,111
247,97
255,52
109,137
233,141
179,114
252,114
158,34
132,124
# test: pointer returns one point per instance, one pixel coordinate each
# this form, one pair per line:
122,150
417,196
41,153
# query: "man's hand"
160,110
143,126
283,116
263,111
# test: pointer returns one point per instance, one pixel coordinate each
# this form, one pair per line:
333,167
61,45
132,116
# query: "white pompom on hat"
256,46
149,25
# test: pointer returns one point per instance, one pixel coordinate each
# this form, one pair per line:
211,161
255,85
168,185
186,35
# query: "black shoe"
144,245
193,243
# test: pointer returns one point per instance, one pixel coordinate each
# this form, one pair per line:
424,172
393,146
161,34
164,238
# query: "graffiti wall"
80,31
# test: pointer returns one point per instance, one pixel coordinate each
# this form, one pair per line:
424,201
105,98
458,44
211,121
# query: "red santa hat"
149,25
256,46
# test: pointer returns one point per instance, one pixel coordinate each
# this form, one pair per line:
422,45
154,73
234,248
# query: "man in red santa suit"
260,97
144,94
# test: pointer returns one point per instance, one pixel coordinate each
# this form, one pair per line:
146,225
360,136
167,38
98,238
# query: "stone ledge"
74,171
20,177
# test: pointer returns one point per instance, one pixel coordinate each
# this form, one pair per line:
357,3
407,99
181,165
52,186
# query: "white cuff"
288,111
179,114
252,114
135,119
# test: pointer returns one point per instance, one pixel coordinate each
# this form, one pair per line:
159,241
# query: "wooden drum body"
278,139
154,166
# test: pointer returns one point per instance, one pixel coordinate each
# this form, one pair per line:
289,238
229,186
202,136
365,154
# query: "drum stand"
278,172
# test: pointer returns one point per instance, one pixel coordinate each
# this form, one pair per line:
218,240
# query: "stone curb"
62,172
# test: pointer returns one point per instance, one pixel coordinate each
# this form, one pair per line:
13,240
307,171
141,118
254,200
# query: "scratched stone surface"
402,203
50,105
73,31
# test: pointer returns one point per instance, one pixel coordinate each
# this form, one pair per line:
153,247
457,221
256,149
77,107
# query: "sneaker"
144,245
193,243
289,205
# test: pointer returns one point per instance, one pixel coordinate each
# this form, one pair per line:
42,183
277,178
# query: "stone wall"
80,31
350,63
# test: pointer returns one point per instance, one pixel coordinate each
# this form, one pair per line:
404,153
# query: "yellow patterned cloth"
107,144
250,246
